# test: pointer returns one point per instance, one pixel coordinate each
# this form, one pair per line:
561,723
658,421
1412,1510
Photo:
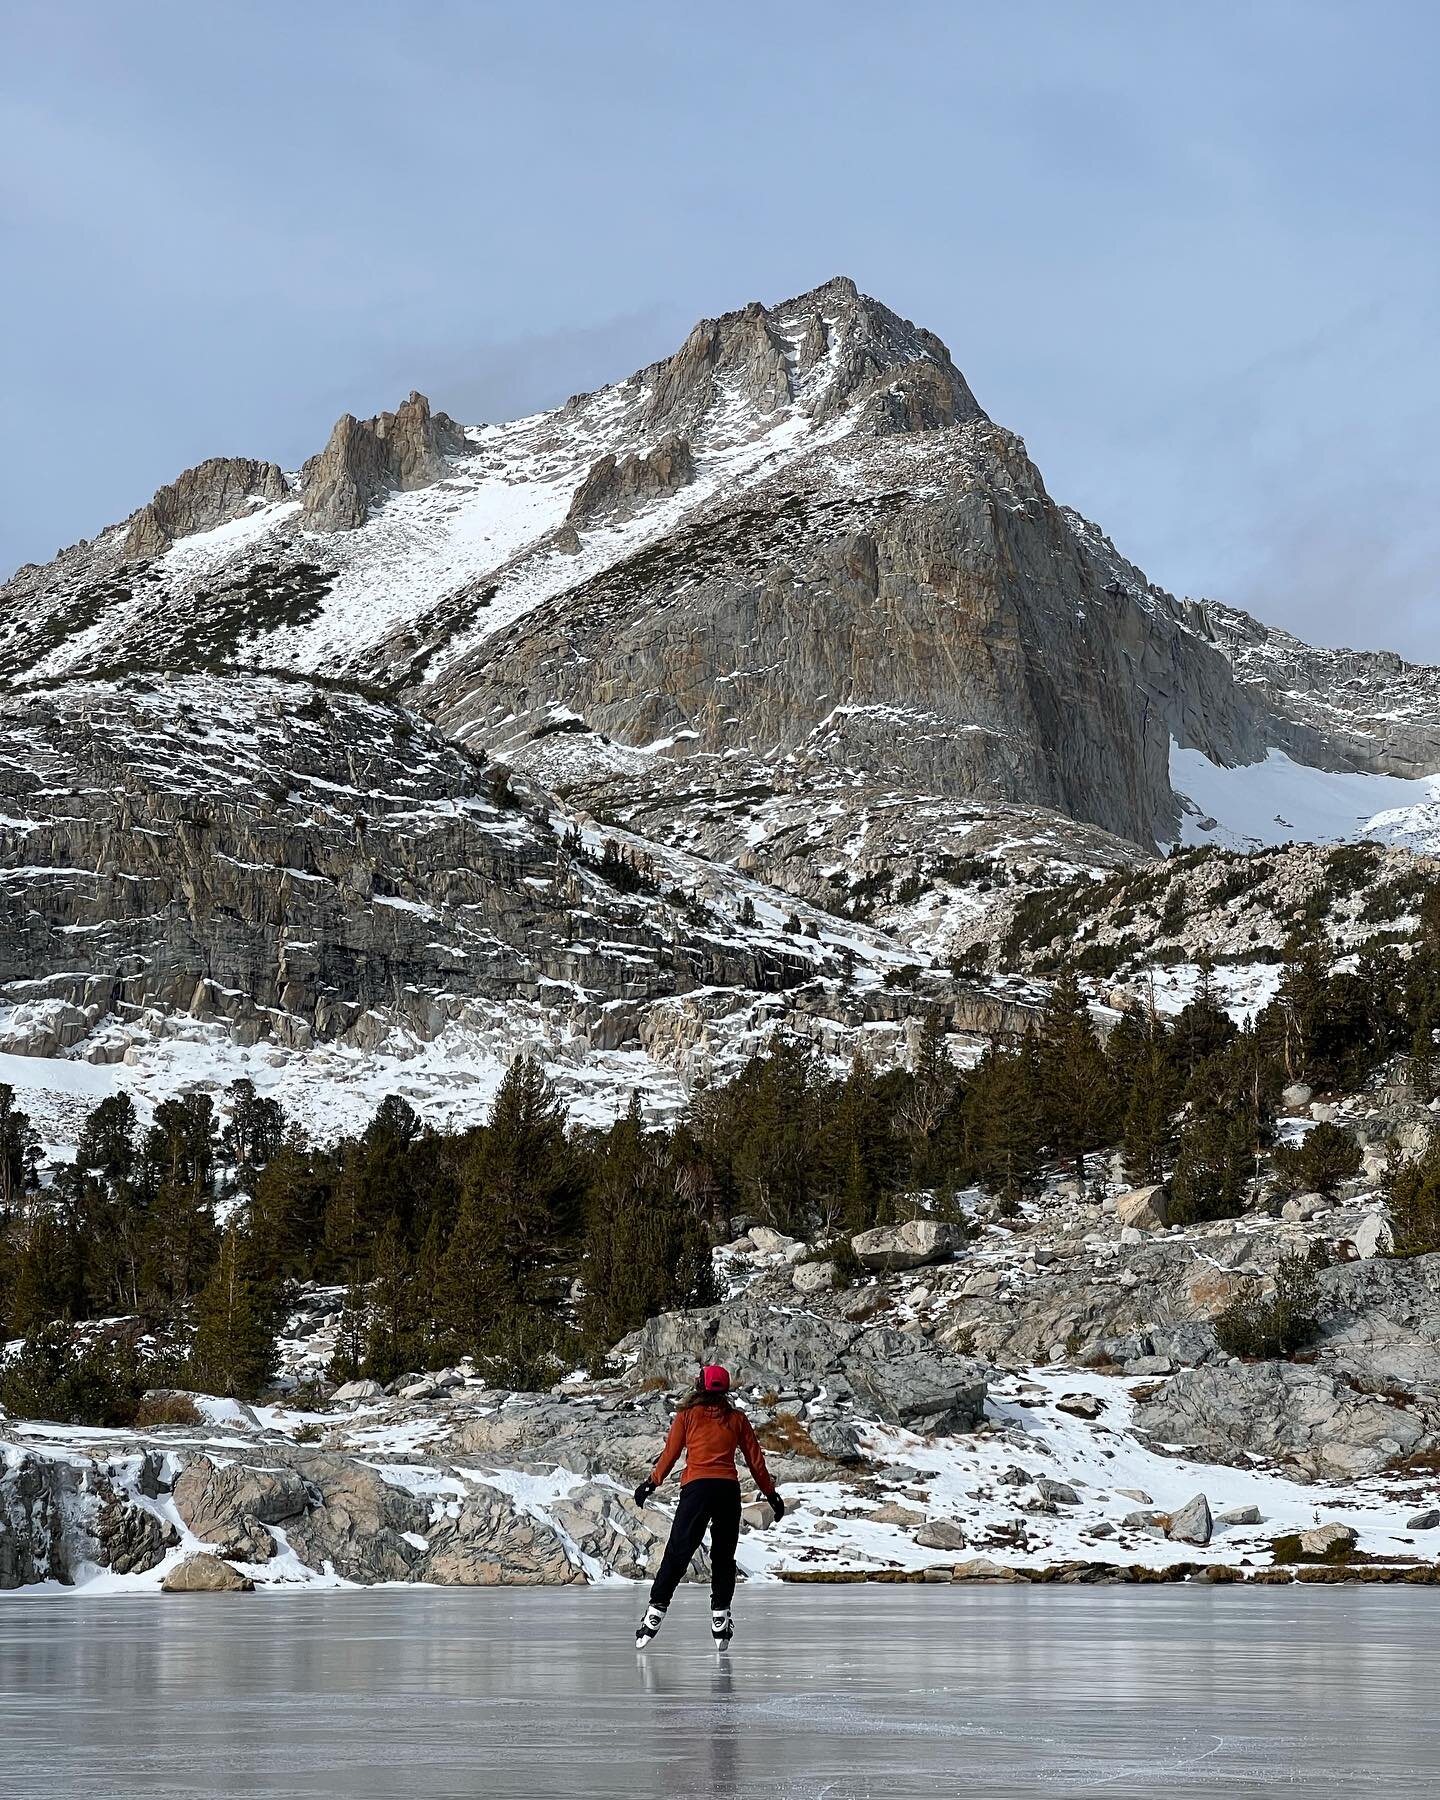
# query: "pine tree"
48,1280
344,1364
1003,1122
1203,1026
176,1249
1214,1168
107,1139
1077,1101
523,1182
288,1211
929,1099
375,1182
759,1135
19,1153
1415,1202
180,1144
476,1282
858,1160
234,1348
394,1342
254,1133
646,1251
1149,1132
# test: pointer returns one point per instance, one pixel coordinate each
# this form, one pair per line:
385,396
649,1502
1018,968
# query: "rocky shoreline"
912,1435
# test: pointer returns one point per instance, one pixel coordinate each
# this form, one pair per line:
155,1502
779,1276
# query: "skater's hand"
643,1492
777,1506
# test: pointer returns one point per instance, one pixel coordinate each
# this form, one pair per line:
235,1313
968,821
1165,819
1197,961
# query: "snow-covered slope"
1281,801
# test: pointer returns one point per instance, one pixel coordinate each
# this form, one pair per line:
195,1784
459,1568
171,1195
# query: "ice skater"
708,1430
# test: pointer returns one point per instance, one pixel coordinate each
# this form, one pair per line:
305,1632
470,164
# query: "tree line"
530,1245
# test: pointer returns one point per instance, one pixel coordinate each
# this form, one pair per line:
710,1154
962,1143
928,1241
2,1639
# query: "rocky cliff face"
619,487
212,493
958,640
366,458
299,866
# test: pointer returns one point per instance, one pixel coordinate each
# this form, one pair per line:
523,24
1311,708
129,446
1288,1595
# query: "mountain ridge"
785,613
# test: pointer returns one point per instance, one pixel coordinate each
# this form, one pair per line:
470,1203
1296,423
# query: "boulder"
605,1524
222,1501
1192,1524
250,1542
770,1242
1380,1323
894,1376
357,1390
132,1539
42,1533
941,1534
1373,1236
1144,1519
1239,1515
1296,1097
907,1246
1058,1493
205,1574
494,1544
1374,1166
983,1568
542,1433
616,487
835,1437
1283,1411
906,1380
1144,1208
361,1526
1328,1540
1080,1406
892,1513
1425,1521
815,1277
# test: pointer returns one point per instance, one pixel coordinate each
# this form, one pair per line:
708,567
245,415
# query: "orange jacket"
710,1436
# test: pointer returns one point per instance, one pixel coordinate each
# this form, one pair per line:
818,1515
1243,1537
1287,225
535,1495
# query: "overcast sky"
1190,252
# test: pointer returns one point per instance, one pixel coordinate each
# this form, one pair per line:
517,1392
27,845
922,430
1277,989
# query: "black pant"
715,1503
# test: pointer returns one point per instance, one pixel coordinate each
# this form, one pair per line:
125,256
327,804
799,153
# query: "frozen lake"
845,1693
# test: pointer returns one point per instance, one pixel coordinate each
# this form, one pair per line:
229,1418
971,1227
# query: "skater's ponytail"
712,1388
698,1397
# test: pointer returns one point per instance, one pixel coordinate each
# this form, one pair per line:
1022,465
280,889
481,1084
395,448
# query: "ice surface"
846,1694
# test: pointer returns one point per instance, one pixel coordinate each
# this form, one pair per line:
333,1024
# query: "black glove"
777,1506
644,1491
